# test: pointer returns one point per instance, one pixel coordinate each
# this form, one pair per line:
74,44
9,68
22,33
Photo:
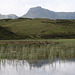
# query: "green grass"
40,28
64,49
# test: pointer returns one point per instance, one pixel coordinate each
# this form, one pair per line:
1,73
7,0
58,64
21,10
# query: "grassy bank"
36,51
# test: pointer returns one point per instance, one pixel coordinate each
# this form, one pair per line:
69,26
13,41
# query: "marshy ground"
37,49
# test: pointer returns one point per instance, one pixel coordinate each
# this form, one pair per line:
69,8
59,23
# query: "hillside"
7,35
39,28
39,12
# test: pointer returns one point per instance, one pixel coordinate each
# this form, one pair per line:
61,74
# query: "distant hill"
38,12
65,15
10,16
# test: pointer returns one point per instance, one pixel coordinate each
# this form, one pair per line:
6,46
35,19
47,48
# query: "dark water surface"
19,67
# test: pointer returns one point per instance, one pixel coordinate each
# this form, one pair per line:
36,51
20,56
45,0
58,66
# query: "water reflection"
18,67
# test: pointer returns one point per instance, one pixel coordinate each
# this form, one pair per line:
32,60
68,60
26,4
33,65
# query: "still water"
19,67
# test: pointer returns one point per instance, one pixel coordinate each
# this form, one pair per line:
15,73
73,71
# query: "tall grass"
38,51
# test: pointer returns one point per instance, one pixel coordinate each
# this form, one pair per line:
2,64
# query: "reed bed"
37,51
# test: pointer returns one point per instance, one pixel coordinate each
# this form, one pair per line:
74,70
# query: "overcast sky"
20,7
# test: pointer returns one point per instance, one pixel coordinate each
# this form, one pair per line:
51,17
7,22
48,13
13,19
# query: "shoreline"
36,41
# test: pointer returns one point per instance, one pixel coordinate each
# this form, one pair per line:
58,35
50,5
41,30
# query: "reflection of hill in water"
24,63
37,64
41,63
18,67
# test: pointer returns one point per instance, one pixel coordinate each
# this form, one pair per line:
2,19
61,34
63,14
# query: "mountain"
66,15
10,16
38,12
